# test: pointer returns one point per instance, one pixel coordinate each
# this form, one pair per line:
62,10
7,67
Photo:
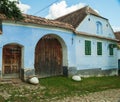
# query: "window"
99,27
111,49
106,25
0,27
87,47
99,48
88,19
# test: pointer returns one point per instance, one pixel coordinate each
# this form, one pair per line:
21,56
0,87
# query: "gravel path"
112,95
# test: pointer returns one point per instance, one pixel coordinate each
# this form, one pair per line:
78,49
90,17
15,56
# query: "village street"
112,95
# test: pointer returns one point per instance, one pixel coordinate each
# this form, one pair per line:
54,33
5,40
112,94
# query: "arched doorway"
12,60
48,57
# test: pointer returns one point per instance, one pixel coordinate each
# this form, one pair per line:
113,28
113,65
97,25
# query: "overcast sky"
54,8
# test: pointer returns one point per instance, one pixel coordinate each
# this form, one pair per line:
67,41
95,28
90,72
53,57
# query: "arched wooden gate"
48,57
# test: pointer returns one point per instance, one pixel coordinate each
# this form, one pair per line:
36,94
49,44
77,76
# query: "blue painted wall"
73,46
28,36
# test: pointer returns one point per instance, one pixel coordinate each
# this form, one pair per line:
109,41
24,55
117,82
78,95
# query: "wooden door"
48,57
11,59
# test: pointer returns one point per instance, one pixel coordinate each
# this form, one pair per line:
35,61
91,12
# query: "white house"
117,35
95,42
81,42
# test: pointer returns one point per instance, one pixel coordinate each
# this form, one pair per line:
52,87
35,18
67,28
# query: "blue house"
81,42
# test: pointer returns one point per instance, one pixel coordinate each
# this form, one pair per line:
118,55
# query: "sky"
52,9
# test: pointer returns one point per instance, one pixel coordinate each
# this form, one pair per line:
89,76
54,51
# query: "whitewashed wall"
73,45
90,26
94,61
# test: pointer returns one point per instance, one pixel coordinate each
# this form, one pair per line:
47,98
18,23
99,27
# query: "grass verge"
54,88
62,86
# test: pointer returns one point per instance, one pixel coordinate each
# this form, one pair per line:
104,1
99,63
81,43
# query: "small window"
88,19
0,27
106,25
111,49
99,48
99,27
87,47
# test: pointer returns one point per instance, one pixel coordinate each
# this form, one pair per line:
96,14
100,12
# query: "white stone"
34,80
76,78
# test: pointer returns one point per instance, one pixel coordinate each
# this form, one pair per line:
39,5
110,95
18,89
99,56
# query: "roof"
64,22
76,17
96,36
117,35
41,21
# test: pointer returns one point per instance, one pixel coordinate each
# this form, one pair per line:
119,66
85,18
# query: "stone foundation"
72,71
27,73
92,72
65,71
97,72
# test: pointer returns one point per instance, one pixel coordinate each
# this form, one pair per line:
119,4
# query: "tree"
10,10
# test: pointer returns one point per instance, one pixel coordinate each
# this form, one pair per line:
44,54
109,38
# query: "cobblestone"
112,95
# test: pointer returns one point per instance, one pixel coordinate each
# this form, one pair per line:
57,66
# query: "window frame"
99,48
87,47
99,28
111,50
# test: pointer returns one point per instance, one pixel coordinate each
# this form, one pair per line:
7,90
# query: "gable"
95,25
76,17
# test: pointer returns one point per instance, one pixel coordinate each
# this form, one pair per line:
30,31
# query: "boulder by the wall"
34,80
76,78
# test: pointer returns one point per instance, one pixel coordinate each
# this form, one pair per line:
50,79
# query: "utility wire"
45,7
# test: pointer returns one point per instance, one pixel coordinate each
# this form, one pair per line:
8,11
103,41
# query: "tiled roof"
41,21
69,21
76,17
117,35
95,36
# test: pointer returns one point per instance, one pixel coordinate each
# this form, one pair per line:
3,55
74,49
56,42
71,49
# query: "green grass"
62,86
57,87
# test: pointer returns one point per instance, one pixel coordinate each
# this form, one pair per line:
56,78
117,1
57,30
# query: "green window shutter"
111,51
99,48
87,47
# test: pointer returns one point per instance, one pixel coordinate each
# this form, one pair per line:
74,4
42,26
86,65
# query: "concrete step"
10,81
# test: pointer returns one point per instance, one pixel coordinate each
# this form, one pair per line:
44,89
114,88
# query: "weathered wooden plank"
11,59
48,57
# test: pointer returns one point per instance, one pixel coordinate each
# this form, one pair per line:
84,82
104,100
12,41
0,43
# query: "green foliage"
10,9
